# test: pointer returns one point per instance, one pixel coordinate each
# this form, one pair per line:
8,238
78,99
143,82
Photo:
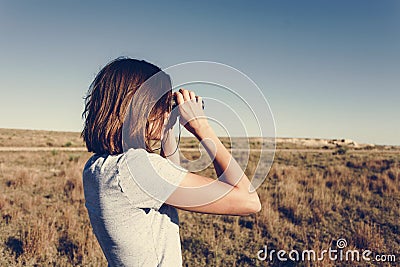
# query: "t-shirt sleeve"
150,179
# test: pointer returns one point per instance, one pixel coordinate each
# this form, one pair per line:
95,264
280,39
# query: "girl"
136,227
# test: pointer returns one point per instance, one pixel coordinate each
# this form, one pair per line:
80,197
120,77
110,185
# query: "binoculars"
174,103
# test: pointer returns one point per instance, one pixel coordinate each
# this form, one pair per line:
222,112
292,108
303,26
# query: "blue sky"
329,69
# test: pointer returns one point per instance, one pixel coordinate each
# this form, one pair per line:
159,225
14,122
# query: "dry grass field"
29,138
310,199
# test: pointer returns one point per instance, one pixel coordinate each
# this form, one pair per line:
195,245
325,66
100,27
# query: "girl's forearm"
169,148
226,167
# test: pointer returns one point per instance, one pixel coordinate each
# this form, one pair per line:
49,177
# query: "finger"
179,98
185,94
192,95
199,99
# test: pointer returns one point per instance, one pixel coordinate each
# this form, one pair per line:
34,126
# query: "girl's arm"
228,195
169,148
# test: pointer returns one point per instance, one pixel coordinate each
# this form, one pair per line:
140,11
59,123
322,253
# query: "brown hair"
114,107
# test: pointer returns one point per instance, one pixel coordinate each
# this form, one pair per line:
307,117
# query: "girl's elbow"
253,206
258,207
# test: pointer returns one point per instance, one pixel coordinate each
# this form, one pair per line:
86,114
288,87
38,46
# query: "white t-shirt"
130,220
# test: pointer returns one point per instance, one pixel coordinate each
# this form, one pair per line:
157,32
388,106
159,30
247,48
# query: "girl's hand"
191,112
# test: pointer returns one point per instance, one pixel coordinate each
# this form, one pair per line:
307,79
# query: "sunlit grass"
309,199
